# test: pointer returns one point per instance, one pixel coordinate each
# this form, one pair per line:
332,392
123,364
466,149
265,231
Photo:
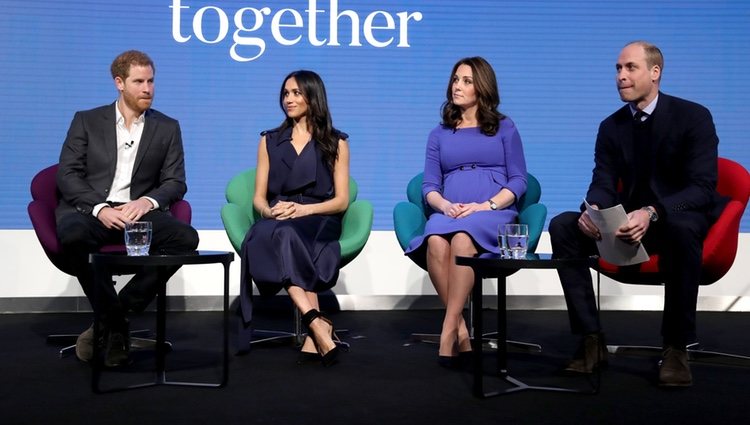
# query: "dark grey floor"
383,379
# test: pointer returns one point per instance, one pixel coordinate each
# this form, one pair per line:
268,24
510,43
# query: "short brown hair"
653,54
121,65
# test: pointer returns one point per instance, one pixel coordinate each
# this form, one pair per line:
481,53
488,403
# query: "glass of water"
517,238
502,242
138,237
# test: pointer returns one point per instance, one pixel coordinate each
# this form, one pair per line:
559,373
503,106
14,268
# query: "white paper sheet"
611,248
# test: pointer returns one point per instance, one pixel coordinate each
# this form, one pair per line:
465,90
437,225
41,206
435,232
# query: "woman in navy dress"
301,193
474,173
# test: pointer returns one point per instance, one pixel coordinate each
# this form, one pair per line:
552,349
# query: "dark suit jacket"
684,160
89,157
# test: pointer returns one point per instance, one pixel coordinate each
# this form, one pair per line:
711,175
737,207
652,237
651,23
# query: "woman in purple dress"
474,173
301,193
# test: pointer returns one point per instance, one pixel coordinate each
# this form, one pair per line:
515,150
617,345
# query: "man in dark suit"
120,163
657,156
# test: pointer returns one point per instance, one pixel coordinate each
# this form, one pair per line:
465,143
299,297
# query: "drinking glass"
502,242
517,238
138,237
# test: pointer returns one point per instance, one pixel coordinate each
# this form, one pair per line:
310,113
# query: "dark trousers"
81,235
677,238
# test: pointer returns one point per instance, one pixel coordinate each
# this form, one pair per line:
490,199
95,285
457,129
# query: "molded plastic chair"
719,252
409,219
41,209
238,215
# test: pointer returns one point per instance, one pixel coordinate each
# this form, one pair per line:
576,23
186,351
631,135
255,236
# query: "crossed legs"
320,338
453,284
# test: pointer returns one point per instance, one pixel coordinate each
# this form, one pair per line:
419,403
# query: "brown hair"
318,115
653,55
121,65
488,97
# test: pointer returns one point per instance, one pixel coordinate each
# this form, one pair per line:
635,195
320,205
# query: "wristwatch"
652,214
493,205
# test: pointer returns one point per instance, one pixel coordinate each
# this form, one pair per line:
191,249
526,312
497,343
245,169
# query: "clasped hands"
631,232
116,217
459,210
285,210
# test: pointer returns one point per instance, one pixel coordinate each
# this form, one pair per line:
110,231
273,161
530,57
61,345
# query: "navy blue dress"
304,251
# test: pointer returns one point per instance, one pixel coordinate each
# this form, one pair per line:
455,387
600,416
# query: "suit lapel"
662,116
109,126
147,136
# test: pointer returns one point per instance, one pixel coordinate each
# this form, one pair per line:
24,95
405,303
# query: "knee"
437,246
73,234
562,225
462,244
683,231
191,238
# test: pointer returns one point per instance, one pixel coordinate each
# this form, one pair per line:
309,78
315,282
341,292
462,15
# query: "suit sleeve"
72,172
697,146
603,188
171,186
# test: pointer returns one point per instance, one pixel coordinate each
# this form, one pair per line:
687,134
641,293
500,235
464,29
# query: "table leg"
161,319
476,342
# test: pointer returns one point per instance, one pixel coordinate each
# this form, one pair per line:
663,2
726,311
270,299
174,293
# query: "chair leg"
295,337
696,354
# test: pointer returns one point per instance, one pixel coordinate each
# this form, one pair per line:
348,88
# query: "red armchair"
719,252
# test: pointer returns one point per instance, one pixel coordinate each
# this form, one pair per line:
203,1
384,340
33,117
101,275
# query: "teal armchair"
238,216
410,217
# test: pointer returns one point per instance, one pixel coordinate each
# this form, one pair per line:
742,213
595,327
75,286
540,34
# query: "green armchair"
238,215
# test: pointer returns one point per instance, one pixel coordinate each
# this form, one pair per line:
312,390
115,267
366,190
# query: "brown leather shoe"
674,370
85,345
591,354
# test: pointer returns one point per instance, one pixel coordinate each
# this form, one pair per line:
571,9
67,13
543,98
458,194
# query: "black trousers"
677,238
82,234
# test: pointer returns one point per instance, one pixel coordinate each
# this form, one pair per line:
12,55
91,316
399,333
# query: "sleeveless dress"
465,165
303,251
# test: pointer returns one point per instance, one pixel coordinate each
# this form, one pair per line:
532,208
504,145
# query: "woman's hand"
285,210
459,210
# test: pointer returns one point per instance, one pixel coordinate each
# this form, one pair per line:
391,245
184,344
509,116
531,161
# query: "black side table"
494,266
103,263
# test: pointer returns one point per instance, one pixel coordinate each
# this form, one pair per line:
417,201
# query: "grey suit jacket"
89,157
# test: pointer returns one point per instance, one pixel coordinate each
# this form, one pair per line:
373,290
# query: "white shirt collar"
120,119
648,110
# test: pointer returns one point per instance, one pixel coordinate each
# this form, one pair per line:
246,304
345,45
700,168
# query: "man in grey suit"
121,162
658,157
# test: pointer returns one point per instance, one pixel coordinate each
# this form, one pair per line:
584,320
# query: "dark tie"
640,116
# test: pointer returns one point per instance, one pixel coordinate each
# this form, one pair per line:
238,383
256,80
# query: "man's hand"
112,218
587,226
134,210
636,227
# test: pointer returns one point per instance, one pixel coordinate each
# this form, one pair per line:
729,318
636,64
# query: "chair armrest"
236,223
408,222
534,216
355,229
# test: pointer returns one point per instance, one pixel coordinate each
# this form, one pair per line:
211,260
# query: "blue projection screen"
385,63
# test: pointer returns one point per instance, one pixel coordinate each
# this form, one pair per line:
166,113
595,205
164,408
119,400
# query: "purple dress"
466,166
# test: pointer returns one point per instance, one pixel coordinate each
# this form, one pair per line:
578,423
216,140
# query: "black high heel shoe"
329,357
308,357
